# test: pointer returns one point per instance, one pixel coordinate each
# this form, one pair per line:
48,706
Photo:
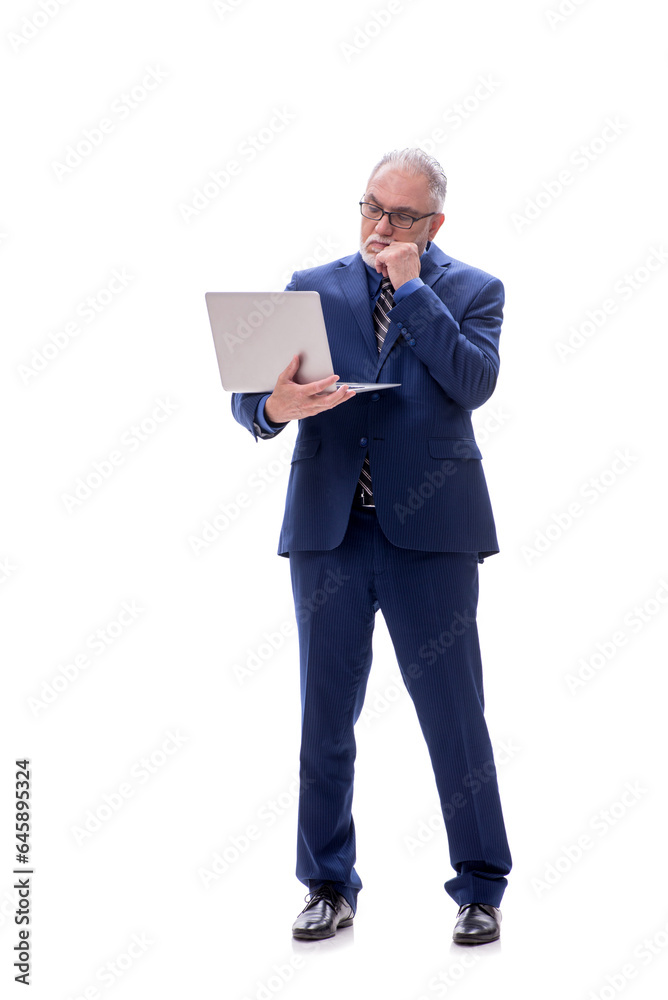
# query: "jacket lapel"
353,283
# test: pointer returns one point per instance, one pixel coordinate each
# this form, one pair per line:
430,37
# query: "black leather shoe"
477,923
325,911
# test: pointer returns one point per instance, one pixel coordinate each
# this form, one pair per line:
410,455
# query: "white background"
508,97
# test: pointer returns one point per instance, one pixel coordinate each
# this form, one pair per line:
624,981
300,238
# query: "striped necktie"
381,324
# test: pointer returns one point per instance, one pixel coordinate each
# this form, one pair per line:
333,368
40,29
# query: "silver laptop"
256,334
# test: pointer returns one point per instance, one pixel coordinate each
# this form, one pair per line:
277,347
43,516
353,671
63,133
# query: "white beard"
368,256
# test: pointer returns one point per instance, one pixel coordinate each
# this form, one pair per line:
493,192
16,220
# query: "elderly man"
387,508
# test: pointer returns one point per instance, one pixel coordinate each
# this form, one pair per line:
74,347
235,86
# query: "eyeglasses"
398,219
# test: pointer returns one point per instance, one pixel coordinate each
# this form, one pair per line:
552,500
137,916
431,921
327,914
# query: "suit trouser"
429,602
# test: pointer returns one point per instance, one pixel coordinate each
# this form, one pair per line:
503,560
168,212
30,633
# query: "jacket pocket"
305,449
453,448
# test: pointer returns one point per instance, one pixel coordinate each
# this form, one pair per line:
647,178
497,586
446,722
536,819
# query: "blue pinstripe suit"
416,558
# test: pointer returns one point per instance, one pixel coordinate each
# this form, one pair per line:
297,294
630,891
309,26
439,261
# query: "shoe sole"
469,939
307,936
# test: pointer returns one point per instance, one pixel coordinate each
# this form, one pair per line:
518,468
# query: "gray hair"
415,161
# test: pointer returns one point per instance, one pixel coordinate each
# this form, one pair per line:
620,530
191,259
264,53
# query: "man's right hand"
291,401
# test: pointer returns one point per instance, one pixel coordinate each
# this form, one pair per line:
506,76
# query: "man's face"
396,191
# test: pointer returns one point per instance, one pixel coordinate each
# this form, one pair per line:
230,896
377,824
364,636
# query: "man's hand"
291,401
399,262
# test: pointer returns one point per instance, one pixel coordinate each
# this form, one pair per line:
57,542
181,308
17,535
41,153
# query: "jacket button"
363,441
411,341
375,395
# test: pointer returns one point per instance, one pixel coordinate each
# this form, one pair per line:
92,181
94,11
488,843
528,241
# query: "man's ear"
435,224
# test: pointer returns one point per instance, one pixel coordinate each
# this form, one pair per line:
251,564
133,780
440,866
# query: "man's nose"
383,227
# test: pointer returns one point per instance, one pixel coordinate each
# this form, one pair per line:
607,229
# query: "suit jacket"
427,478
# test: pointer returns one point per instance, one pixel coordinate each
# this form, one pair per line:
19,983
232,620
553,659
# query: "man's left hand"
400,262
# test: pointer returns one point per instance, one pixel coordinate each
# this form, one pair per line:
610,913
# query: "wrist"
269,416
401,279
